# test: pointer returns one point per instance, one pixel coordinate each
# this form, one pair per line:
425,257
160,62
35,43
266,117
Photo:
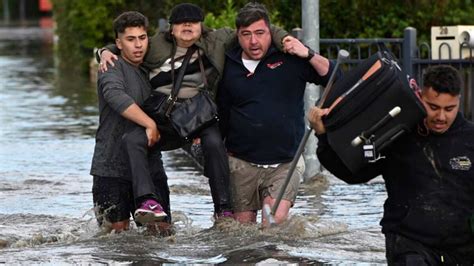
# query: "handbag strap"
177,83
182,70
201,67
173,60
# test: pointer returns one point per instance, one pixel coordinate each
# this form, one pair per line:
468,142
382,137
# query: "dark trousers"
216,165
404,251
149,179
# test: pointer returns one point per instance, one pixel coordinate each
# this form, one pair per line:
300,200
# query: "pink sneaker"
149,211
224,214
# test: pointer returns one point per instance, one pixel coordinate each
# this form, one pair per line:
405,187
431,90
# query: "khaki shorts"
250,184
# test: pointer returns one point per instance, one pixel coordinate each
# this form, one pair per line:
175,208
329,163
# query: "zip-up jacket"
262,113
429,181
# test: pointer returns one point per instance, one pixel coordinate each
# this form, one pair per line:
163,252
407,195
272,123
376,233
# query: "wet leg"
246,217
281,213
120,226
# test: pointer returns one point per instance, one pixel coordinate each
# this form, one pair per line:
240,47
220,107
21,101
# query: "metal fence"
413,57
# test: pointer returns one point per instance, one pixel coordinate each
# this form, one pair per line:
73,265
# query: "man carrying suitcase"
429,177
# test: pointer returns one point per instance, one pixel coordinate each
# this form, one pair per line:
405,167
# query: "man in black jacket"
429,177
261,110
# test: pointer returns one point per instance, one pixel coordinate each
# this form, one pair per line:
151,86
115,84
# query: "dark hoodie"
429,181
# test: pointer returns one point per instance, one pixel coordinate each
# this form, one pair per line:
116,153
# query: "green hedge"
85,24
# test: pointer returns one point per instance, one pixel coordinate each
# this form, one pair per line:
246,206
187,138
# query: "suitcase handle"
365,135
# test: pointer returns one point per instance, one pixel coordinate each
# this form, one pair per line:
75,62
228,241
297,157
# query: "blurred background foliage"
83,25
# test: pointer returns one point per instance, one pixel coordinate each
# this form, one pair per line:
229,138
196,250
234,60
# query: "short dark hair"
250,13
443,79
129,19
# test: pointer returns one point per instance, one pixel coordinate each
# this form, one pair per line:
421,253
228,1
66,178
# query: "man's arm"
293,46
333,163
110,48
112,87
135,114
278,36
106,56
329,158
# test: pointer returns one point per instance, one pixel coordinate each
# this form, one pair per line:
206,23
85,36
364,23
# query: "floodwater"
48,119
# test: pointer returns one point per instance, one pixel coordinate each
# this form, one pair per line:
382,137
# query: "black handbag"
192,115
187,117
155,107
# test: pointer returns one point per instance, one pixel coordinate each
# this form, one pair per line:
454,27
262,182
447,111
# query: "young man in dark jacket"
261,107
429,177
122,90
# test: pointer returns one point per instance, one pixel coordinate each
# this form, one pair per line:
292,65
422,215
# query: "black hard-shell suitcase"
371,106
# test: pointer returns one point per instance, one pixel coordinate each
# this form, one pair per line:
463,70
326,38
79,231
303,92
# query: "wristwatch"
311,53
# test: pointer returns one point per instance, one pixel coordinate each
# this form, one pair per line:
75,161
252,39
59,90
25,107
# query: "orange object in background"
45,5
46,22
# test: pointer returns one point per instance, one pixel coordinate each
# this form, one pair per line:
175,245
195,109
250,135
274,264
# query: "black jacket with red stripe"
262,113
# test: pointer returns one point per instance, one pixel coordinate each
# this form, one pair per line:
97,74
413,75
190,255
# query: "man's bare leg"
281,213
245,217
120,226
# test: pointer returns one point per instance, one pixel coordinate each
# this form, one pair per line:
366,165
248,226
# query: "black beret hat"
186,12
